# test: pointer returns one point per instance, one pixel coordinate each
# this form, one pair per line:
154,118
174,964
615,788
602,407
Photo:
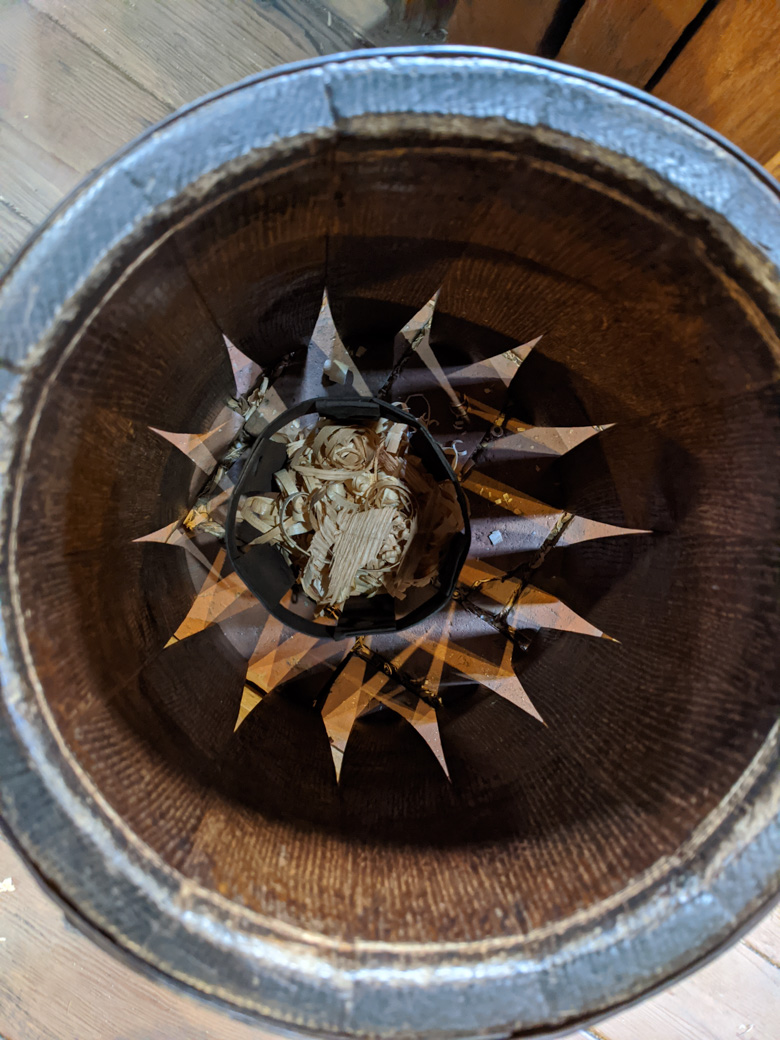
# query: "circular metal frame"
265,571
610,954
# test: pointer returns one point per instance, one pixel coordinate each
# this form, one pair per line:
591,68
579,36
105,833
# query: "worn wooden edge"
732,864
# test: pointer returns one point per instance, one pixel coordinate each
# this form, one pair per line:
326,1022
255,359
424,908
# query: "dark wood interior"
646,322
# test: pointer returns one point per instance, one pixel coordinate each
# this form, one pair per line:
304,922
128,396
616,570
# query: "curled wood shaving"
356,514
199,518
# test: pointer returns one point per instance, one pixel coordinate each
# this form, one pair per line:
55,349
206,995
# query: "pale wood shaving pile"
356,513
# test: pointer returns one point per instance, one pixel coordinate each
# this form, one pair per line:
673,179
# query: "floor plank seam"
103,57
16,211
761,954
19,131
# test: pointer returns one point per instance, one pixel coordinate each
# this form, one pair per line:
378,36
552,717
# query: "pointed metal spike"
246,372
426,723
523,606
537,609
525,348
339,366
346,699
539,520
580,529
340,357
430,360
342,703
422,318
499,677
337,755
215,603
511,689
270,668
249,701
422,717
325,328
193,445
499,368
174,534
162,534
541,441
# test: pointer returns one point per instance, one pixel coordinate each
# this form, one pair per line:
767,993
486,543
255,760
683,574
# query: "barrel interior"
651,326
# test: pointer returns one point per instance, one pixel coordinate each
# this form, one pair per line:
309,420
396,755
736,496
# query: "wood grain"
76,93
773,165
50,975
517,25
765,938
627,41
729,75
63,97
55,984
32,180
180,51
14,229
738,995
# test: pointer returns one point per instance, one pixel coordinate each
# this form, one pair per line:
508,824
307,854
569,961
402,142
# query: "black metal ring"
267,574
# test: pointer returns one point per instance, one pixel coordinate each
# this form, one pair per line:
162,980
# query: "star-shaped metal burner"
495,609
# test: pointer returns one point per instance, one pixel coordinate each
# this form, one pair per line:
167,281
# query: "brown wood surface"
55,984
515,25
728,75
179,51
627,41
82,78
773,166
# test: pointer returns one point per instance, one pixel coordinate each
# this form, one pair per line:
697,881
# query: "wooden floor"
79,78
55,984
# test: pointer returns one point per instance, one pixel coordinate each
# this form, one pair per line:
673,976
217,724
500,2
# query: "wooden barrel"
576,854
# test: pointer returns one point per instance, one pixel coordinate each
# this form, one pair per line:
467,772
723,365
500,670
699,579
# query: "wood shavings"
356,513
199,518
359,545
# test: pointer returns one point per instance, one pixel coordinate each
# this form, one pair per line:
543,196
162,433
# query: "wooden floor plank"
80,77
773,165
14,229
57,985
728,75
179,51
32,180
518,25
736,996
627,41
64,97
765,938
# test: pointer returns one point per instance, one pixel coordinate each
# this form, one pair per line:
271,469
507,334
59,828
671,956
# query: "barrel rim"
738,865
